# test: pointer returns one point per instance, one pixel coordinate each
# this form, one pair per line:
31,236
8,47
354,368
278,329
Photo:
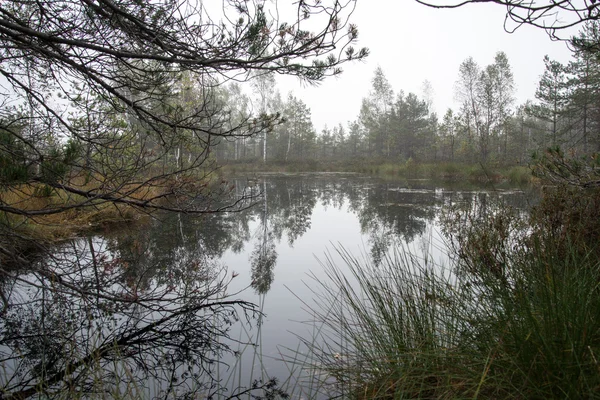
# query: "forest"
488,127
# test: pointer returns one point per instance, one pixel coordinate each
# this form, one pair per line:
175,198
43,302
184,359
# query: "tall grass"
411,329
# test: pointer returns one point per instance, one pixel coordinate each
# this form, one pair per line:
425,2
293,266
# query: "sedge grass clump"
549,316
511,317
394,330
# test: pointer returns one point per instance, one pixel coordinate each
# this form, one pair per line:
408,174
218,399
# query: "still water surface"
270,254
301,220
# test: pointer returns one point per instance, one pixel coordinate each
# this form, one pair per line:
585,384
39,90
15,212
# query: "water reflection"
110,316
154,304
264,255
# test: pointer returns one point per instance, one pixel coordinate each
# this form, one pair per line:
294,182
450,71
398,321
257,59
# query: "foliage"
486,96
393,126
13,167
516,316
489,127
555,168
107,99
567,216
552,95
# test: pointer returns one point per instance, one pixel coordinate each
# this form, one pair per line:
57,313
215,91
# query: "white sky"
413,43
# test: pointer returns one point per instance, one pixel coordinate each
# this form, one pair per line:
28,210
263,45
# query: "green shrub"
519,175
567,220
449,170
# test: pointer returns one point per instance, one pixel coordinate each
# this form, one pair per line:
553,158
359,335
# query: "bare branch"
553,16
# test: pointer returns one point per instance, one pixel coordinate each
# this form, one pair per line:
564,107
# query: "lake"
114,299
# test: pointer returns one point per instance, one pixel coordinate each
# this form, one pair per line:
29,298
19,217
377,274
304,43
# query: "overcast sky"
413,43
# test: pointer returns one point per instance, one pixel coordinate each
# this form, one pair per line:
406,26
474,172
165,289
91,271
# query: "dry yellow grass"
75,218
49,213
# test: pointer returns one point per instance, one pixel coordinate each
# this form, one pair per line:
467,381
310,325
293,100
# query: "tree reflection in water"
262,262
97,318
264,255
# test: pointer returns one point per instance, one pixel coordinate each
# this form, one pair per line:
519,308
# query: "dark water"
136,299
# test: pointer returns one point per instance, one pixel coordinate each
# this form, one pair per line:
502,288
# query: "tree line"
487,126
